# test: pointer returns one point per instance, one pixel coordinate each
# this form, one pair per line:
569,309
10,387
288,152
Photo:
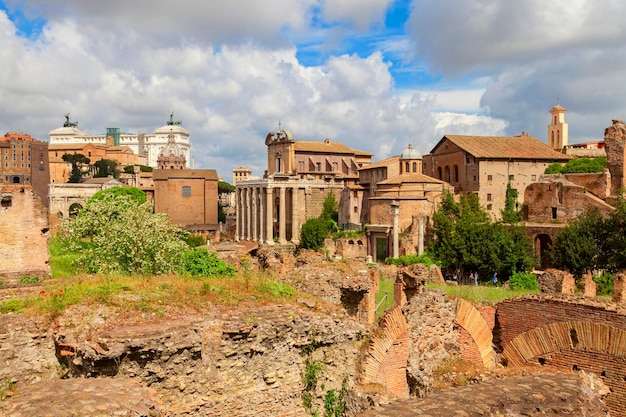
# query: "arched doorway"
16,180
74,209
543,245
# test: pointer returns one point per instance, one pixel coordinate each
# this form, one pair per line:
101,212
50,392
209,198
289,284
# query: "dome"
410,153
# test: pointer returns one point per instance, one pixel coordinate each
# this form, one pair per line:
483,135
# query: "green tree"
578,165
134,192
578,247
511,212
106,167
78,160
313,233
115,233
466,240
330,209
224,187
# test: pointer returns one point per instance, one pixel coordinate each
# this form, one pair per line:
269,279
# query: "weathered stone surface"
431,317
614,138
98,397
553,281
589,286
537,394
619,288
24,233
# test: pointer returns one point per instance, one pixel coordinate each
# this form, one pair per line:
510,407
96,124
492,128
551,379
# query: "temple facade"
299,177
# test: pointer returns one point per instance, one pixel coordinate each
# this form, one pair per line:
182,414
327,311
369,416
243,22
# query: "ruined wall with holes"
24,233
570,333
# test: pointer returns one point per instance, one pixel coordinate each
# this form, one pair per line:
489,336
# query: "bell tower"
557,129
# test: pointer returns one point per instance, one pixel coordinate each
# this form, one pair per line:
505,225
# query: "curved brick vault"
470,319
576,345
388,353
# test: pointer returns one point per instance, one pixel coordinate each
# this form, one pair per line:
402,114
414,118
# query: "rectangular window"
489,206
511,177
533,177
186,191
489,177
488,197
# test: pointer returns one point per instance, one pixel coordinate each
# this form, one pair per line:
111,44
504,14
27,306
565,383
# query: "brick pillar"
269,219
619,287
589,286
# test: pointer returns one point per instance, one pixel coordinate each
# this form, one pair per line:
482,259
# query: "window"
406,167
439,173
456,173
414,166
533,177
489,206
489,177
319,166
489,197
511,177
186,191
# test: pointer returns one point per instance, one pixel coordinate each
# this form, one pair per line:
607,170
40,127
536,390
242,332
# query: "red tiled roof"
504,147
393,160
414,177
327,147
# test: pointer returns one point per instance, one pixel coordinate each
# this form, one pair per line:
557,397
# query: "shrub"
118,234
313,233
195,240
410,260
204,263
604,283
520,280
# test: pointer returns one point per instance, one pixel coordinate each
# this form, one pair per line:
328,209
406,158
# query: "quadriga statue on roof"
68,123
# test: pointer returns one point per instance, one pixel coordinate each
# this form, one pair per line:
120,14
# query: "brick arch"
470,319
388,354
571,335
576,345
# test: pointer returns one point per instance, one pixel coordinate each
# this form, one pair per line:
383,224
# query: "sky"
373,74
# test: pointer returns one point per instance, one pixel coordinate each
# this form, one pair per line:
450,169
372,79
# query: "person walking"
495,278
476,278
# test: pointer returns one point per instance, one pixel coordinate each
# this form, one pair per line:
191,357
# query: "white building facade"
148,144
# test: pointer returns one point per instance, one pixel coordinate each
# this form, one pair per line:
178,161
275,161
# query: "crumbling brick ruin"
24,233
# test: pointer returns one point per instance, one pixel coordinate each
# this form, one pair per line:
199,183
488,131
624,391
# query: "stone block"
589,286
554,281
619,287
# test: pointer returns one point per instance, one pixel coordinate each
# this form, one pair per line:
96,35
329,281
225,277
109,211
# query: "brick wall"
519,315
24,233
567,333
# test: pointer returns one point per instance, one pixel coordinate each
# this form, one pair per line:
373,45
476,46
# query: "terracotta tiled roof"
504,147
327,147
414,177
393,160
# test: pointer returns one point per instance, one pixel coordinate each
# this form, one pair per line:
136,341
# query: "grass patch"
61,259
384,296
151,294
480,293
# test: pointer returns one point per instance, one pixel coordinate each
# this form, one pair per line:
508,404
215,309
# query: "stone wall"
244,362
24,233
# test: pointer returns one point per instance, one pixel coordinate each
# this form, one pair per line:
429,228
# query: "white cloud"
362,13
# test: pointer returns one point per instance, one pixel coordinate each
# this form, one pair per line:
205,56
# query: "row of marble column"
256,214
